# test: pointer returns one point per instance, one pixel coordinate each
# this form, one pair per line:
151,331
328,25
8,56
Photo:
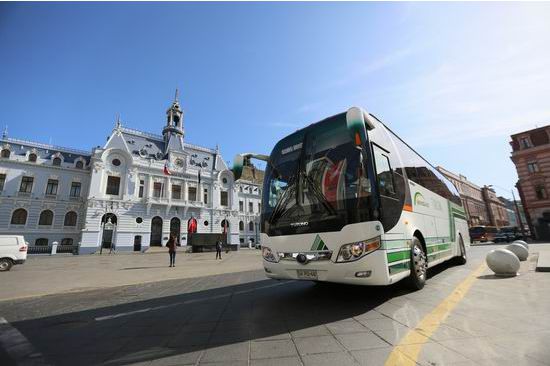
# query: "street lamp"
516,205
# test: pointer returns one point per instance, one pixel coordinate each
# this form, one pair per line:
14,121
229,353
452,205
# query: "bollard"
503,262
54,248
522,242
519,250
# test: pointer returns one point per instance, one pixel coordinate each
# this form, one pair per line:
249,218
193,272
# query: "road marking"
407,351
17,346
187,302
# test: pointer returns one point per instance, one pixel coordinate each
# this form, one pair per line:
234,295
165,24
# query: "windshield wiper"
283,200
319,195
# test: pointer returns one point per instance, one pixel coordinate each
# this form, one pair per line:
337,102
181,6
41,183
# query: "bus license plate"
307,274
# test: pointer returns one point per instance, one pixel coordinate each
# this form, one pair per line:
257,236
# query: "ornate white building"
139,188
43,190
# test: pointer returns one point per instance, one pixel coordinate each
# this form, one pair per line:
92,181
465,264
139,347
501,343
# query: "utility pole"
518,214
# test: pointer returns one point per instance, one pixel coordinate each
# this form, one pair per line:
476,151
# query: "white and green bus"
346,200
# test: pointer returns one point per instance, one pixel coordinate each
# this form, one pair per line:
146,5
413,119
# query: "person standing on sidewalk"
219,249
171,244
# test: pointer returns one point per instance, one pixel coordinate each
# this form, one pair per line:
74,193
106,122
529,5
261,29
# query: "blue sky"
454,80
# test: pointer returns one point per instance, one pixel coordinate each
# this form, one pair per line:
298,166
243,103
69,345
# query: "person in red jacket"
172,244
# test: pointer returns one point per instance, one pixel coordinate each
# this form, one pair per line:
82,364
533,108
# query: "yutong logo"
299,224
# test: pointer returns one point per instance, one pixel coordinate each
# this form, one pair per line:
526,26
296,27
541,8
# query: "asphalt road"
244,318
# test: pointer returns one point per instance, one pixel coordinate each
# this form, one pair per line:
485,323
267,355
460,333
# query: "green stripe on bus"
400,267
438,248
398,256
394,244
438,255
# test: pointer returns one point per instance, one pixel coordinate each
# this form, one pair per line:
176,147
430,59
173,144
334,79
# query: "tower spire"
5,133
118,123
177,96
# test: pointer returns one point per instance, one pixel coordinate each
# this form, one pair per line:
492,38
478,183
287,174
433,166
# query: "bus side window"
384,173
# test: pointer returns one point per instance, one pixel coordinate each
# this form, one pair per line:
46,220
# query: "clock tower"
173,132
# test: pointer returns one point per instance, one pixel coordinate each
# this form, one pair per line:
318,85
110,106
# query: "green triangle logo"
318,244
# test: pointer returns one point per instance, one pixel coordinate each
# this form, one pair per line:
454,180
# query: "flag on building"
167,168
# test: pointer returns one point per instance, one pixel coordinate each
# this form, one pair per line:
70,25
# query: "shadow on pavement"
182,326
495,277
145,267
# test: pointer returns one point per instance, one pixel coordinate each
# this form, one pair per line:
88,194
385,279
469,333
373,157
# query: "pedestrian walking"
172,244
219,249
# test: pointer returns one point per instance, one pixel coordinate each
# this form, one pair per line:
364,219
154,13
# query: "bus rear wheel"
419,265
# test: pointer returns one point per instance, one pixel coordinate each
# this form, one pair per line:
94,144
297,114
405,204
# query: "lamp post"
518,215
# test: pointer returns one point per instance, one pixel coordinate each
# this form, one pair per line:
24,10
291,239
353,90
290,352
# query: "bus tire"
419,265
461,259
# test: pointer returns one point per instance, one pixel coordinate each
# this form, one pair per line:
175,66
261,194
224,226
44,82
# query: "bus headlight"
268,255
353,251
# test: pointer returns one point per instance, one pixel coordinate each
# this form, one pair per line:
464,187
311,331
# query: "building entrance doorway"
108,227
156,232
175,225
137,243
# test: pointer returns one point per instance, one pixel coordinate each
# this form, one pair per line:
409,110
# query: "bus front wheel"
419,265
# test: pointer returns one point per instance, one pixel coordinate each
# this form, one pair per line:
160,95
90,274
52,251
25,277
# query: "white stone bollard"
522,242
54,248
519,250
503,262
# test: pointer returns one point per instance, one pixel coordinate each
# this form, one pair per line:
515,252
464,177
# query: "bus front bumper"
370,270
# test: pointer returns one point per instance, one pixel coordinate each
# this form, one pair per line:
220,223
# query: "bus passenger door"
390,189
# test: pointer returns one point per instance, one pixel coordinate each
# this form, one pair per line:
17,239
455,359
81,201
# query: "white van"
13,250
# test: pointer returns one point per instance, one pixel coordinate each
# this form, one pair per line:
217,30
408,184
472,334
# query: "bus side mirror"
238,164
355,123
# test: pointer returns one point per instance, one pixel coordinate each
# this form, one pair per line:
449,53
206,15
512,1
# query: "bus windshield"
315,181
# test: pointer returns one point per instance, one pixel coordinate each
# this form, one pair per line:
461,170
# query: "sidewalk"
44,275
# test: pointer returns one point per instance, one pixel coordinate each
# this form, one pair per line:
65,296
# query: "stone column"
185,193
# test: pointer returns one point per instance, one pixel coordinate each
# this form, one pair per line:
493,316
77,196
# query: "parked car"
13,250
501,237
483,233
512,233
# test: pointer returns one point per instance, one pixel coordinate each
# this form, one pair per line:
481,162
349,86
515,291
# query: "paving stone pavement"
241,318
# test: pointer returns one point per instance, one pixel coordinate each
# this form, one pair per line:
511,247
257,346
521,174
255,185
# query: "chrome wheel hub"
419,261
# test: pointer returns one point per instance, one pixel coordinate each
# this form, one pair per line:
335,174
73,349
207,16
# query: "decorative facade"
135,191
498,213
471,196
531,156
43,190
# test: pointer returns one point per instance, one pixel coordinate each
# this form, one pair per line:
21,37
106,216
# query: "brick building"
471,196
496,209
531,156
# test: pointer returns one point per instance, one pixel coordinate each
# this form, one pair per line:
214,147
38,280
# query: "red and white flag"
167,168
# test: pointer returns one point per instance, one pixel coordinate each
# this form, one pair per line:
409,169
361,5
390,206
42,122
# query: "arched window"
5,153
67,241
251,226
32,157
19,217
225,226
241,226
79,164
41,242
56,161
46,218
70,219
